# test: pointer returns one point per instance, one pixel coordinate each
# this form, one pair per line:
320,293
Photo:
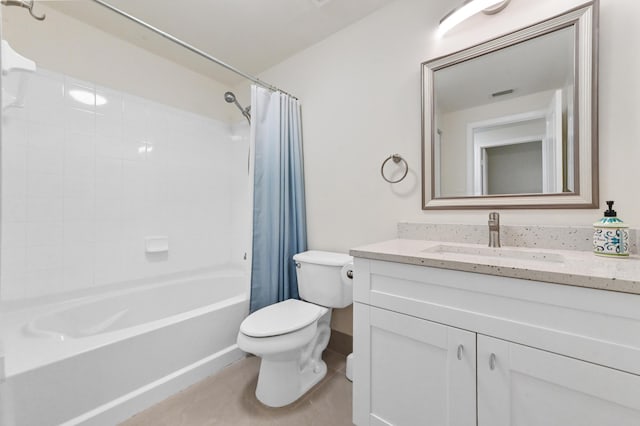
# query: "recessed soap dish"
156,244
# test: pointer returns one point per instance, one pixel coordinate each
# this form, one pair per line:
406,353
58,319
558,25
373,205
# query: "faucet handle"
494,229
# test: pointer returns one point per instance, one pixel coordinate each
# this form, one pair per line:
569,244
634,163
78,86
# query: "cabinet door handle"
460,349
492,362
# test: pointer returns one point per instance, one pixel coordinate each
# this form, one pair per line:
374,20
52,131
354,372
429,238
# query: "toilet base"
286,376
291,383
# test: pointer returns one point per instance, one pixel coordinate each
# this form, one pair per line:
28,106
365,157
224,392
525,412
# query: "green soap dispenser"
610,235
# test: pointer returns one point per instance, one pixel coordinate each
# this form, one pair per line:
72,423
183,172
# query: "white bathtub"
102,358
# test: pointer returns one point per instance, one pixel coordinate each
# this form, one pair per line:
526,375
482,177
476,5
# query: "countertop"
568,267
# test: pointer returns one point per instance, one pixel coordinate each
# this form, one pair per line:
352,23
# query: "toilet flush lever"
350,274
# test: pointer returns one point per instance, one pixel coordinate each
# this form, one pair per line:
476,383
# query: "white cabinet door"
410,371
522,386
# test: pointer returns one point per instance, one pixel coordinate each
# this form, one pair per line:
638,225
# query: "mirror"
512,123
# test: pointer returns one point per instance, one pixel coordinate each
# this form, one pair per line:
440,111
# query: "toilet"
290,336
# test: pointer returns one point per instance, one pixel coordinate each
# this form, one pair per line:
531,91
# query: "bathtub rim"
33,331
27,305
17,341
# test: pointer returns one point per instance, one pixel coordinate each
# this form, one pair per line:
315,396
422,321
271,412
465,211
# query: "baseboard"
340,342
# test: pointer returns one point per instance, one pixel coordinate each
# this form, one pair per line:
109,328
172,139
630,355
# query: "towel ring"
396,159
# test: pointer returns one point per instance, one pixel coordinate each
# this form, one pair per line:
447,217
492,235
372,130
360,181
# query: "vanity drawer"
599,326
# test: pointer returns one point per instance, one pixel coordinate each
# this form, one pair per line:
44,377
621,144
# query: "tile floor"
228,398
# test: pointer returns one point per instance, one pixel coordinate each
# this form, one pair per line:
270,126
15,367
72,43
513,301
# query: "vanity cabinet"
420,372
442,347
519,385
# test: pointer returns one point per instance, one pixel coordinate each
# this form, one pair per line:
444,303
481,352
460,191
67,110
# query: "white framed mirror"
512,122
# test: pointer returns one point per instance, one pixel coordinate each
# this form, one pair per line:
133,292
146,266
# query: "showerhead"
229,97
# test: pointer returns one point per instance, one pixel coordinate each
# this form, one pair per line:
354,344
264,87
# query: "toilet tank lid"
323,258
281,318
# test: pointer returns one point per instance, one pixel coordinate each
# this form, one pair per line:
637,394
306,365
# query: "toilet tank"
323,278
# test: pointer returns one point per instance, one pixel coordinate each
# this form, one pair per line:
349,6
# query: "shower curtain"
279,218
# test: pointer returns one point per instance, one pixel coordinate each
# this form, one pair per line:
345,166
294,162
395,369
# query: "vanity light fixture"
467,10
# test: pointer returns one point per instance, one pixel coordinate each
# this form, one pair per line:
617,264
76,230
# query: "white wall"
66,45
82,186
360,93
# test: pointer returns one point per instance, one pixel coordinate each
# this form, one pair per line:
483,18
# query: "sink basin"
496,253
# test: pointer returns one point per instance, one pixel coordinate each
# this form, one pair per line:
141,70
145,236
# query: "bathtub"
101,358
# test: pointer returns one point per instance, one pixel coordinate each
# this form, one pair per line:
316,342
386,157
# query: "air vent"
502,93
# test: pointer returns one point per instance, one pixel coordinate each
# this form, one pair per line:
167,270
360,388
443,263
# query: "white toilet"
290,336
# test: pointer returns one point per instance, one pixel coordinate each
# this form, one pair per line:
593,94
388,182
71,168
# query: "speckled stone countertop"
569,267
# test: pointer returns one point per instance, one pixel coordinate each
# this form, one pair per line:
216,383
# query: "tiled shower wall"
83,185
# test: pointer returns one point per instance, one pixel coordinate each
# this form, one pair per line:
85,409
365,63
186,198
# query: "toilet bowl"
290,336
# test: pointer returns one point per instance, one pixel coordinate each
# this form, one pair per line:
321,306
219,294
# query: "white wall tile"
14,142
79,209
14,234
44,185
80,166
45,160
108,209
79,144
79,231
44,209
45,99
107,231
84,184
13,209
14,185
46,115
77,186
80,120
135,118
109,170
44,233
134,148
78,255
79,94
78,277
43,281
13,285
14,260
44,257
109,146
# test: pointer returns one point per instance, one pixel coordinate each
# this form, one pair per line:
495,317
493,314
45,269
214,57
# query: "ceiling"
536,65
251,35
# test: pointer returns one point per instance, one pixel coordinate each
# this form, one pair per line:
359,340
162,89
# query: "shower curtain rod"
190,47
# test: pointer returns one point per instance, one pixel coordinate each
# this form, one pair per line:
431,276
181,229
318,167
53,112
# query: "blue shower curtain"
279,218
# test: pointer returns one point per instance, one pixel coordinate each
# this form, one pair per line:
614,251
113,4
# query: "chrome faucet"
494,229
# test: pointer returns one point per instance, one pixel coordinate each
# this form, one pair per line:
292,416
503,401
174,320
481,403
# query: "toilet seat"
281,318
281,344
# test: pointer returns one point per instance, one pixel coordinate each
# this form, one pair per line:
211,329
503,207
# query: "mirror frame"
585,21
